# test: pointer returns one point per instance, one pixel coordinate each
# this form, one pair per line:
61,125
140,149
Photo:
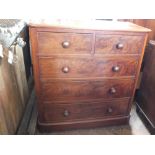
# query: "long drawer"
118,44
86,89
83,67
62,112
64,43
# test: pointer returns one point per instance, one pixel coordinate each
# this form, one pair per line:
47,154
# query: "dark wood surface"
87,89
87,66
135,126
53,43
75,65
76,110
109,44
48,127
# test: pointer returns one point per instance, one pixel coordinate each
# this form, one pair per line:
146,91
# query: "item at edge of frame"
1,51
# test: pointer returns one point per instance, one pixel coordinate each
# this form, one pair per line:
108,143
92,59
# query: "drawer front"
118,44
54,112
76,67
87,89
64,43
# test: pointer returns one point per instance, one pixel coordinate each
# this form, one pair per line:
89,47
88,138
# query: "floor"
135,127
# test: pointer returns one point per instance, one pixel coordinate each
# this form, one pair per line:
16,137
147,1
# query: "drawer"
86,89
84,67
64,43
55,112
118,44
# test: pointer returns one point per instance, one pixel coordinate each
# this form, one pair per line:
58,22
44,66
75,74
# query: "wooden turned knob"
65,44
119,46
66,113
115,68
109,110
65,69
112,90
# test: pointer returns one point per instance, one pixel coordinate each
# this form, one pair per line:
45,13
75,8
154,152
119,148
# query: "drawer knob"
115,68
119,46
110,110
65,69
66,113
112,90
65,44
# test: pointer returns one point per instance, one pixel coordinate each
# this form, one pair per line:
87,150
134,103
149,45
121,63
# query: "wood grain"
107,44
51,43
19,69
83,71
86,67
86,89
55,112
13,93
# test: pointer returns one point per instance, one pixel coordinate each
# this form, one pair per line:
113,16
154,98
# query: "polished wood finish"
85,77
48,127
90,66
64,112
64,43
86,89
118,44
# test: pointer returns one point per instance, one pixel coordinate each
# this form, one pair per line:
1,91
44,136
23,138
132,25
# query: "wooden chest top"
90,24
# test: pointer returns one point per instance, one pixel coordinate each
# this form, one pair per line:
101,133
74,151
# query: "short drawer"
84,67
67,111
87,89
64,43
118,44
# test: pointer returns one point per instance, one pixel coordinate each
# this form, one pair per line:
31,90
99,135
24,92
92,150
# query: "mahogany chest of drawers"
85,73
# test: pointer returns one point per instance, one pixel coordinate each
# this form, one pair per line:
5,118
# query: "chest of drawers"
85,73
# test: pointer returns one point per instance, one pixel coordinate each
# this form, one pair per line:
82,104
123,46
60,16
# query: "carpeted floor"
135,127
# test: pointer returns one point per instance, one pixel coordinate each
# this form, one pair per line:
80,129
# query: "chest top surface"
90,25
